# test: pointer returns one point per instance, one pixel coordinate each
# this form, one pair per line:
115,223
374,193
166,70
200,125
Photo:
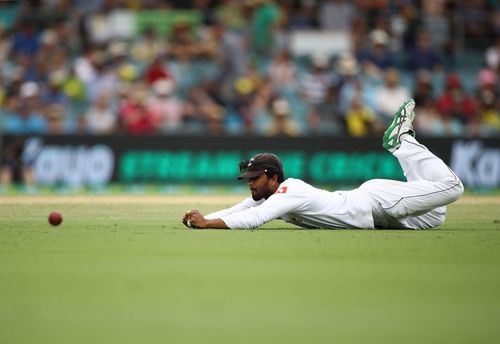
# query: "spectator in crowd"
25,116
34,68
201,112
157,70
251,94
5,44
283,72
119,63
231,15
26,39
281,122
241,109
52,55
303,17
13,79
216,44
134,116
53,92
492,55
229,51
100,118
373,10
351,83
55,114
488,101
423,56
404,23
147,47
48,45
86,65
318,89
74,90
423,90
377,57
265,20
475,17
360,119
165,107
429,121
106,79
205,8
455,103
185,45
389,95
337,15
436,25
8,110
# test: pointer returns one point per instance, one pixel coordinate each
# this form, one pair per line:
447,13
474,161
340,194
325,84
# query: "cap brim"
251,174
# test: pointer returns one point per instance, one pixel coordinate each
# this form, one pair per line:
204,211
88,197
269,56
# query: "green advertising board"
221,166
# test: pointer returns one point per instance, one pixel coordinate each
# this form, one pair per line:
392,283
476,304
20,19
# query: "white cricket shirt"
302,204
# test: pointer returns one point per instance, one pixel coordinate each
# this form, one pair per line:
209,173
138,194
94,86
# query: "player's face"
261,187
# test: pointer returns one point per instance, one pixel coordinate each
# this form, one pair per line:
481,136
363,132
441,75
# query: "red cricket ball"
55,218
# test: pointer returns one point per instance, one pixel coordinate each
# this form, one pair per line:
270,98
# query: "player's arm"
213,220
245,204
273,208
194,219
249,217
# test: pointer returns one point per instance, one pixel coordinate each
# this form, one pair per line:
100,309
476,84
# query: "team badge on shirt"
281,190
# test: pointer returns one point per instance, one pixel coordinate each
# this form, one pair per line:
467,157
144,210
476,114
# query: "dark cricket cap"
259,164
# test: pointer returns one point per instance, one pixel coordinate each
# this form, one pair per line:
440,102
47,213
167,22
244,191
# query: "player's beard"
257,195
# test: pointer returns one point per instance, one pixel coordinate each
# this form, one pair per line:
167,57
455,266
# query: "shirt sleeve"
273,208
245,204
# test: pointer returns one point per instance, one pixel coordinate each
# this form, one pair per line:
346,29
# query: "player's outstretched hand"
193,219
186,219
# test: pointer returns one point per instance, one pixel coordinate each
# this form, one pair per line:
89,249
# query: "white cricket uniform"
379,203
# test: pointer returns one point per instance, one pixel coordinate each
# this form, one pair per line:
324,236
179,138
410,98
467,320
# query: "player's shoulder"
292,186
293,181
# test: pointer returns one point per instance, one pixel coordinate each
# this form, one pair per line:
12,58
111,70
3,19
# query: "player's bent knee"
451,189
456,190
461,189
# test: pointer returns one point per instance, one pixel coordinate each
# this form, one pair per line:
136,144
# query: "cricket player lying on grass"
418,203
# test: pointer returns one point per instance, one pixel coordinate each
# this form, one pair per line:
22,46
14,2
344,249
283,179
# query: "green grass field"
125,270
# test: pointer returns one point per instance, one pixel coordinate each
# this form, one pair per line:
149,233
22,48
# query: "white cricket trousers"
420,202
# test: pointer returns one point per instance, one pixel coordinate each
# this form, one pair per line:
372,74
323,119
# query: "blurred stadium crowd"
231,67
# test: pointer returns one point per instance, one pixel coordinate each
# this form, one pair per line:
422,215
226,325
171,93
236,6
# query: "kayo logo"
70,165
476,165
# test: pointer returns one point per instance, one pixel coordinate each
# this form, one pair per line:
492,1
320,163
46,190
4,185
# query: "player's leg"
415,204
420,164
419,202
431,219
417,162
